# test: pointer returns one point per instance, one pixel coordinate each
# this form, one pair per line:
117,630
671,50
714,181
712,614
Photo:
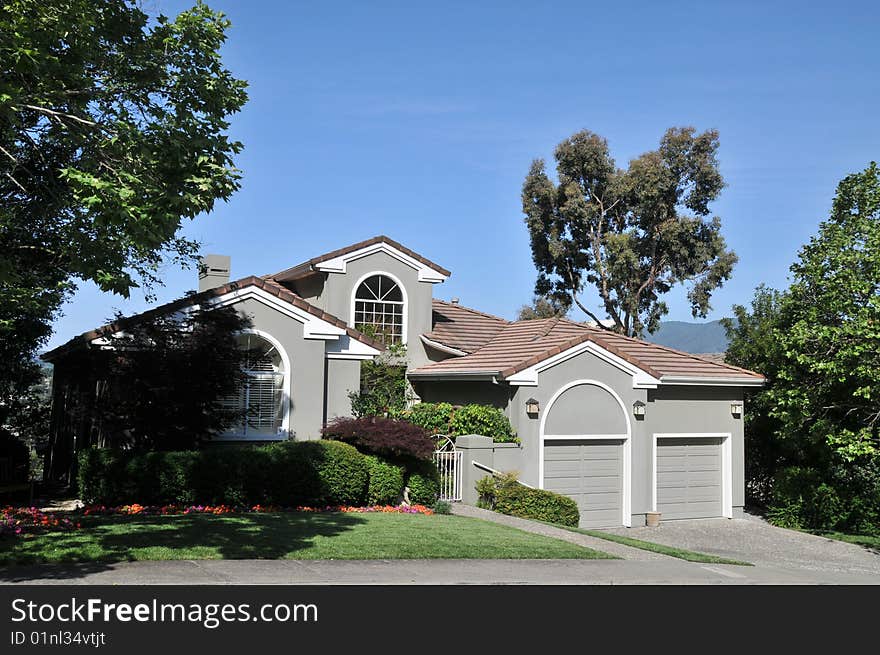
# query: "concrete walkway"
610,547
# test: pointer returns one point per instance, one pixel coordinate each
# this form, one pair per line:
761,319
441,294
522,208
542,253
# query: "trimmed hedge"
507,496
423,480
386,481
290,473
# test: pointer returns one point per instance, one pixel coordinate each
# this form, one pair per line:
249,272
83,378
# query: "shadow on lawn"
103,540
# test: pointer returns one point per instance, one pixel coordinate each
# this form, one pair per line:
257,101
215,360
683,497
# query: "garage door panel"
561,452
689,478
591,473
562,469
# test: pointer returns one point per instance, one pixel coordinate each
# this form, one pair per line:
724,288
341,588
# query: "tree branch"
59,115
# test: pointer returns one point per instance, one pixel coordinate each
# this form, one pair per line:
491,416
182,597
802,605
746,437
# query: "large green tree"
632,234
817,423
113,130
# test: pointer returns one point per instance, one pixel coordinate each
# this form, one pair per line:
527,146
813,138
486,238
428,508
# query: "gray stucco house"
623,426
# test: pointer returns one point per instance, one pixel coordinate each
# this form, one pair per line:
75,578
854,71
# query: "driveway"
754,540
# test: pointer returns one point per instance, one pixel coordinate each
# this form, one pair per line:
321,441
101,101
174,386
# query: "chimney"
213,271
454,301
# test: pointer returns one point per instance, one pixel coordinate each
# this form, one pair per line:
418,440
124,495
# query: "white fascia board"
685,380
480,376
436,345
313,327
347,348
529,377
340,264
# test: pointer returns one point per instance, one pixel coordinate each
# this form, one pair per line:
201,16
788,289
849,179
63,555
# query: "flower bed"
162,510
21,520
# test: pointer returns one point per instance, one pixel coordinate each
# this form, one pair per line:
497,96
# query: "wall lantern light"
736,408
532,406
638,408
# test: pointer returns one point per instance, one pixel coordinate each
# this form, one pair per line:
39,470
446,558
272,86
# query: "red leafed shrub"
386,437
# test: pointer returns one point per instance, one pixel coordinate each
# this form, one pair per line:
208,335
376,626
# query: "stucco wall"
701,410
465,393
334,295
343,377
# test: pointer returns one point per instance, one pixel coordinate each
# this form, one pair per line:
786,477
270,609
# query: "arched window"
380,309
261,398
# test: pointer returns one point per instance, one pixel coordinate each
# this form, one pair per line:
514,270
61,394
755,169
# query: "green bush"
423,480
386,481
434,418
442,507
484,420
505,495
288,474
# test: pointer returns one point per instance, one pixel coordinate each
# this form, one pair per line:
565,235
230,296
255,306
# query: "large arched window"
262,398
380,309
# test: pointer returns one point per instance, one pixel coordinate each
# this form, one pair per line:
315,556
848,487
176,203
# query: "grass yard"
298,535
680,553
868,541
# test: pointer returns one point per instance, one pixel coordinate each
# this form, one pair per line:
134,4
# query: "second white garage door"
689,478
591,472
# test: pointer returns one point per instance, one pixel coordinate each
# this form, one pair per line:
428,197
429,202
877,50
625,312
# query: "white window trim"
340,264
726,465
284,430
626,518
405,314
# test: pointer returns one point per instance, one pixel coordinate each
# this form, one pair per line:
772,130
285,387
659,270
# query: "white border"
436,345
626,518
404,332
340,264
313,327
529,376
726,465
284,431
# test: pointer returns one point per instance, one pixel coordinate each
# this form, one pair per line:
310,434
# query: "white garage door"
689,481
591,472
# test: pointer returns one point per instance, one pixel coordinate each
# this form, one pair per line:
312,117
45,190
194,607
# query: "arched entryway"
585,451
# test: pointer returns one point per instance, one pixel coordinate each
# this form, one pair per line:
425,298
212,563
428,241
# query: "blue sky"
419,121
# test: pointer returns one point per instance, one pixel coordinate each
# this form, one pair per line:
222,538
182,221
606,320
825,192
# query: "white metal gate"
448,461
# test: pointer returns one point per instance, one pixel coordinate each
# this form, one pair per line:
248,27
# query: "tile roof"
269,286
462,328
306,268
521,344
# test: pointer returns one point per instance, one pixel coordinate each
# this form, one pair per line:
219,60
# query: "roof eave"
463,376
689,380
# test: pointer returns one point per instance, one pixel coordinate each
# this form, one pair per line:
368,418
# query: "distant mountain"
691,337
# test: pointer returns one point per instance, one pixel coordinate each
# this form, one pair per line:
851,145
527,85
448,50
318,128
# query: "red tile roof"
269,286
521,344
463,328
306,268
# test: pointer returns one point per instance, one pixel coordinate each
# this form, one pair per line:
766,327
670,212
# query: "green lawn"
286,536
872,542
680,553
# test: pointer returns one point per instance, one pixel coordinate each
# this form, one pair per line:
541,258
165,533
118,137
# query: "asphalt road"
434,572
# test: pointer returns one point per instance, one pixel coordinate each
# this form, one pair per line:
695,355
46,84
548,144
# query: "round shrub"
385,437
435,418
386,481
484,420
343,473
423,480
